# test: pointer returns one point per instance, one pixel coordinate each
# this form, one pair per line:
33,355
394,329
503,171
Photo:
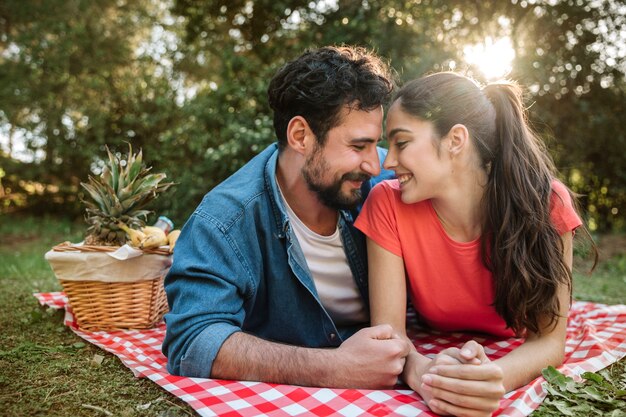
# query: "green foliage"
599,394
77,75
71,83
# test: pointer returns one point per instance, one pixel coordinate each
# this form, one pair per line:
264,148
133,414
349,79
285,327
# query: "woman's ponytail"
522,248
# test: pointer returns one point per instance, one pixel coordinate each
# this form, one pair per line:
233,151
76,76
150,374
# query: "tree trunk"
11,134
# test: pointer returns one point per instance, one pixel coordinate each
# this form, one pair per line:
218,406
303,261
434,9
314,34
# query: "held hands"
372,358
462,382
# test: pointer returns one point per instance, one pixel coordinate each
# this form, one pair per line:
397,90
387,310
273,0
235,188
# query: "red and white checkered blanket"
596,337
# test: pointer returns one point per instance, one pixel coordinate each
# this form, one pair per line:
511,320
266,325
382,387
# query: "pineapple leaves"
119,195
114,167
134,165
95,190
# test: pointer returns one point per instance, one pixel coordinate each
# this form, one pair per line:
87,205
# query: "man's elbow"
175,348
172,354
192,353
177,365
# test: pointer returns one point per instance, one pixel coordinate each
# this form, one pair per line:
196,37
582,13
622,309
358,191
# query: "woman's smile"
404,178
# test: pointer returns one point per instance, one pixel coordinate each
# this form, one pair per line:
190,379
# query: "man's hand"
372,358
463,383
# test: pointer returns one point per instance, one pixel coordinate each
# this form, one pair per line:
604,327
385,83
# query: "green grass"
46,370
607,283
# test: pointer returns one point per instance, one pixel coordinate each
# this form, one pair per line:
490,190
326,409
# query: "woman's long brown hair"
519,243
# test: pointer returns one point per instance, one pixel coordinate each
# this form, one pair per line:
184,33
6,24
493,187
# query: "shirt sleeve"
377,219
562,211
205,288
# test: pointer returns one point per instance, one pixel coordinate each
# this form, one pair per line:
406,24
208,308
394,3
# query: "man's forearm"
246,357
371,359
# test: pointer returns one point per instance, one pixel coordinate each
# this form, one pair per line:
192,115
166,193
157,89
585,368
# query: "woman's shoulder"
559,188
391,185
385,190
560,193
562,210
389,191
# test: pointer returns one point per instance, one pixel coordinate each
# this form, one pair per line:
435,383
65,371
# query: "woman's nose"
390,160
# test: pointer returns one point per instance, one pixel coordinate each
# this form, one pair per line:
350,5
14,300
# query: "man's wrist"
327,365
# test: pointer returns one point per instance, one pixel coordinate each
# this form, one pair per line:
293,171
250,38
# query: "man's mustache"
356,176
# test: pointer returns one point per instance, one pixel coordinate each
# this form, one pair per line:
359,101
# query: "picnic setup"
113,297
312,208
596,339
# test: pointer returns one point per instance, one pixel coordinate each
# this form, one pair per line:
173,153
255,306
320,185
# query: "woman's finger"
472,350
482,397
455,353
480,383
485,372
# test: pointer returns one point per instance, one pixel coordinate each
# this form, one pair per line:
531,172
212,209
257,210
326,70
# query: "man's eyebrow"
397,130
364,140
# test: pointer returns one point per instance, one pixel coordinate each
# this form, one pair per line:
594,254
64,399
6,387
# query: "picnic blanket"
596,338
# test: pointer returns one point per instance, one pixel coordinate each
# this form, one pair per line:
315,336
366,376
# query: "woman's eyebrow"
395,131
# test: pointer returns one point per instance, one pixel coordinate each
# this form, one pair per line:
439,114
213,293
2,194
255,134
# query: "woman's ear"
297,132
459,139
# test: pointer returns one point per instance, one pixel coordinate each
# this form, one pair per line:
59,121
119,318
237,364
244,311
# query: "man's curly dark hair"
318,83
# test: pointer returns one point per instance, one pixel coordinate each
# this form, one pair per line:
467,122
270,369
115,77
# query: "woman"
479,233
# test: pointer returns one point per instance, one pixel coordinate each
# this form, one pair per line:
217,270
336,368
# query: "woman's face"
416,155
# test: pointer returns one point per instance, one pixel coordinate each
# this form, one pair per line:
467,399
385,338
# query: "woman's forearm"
525,363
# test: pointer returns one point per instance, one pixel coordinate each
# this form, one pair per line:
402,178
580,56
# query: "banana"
136,236
154,237
172,237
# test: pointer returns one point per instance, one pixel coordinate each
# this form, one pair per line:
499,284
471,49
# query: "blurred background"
185,80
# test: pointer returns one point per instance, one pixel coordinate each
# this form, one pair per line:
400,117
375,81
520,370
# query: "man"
269,271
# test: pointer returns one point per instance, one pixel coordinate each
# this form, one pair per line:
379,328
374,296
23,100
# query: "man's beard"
330,195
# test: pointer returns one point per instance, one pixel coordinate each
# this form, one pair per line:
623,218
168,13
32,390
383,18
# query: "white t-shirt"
331,272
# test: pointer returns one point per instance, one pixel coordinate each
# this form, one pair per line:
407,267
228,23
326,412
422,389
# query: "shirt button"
332,336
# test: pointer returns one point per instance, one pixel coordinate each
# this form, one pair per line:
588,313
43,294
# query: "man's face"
336,170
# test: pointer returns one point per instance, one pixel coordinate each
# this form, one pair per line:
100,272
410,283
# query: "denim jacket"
238,267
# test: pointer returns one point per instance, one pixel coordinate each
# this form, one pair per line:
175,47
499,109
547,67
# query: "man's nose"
371,163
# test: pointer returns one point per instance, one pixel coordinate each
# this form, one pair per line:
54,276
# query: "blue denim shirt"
238,267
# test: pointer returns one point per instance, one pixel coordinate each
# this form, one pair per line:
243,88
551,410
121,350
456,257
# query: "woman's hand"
418,365
413,373
462,382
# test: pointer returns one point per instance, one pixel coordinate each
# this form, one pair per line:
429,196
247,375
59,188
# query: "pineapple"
118,195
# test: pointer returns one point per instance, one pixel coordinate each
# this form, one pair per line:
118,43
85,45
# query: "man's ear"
298,131
459,139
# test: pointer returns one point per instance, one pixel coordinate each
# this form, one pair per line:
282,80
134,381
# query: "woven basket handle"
69,247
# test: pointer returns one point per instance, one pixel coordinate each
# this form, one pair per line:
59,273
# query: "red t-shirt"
449,286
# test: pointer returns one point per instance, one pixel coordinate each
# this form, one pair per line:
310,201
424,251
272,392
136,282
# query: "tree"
75,75
72,80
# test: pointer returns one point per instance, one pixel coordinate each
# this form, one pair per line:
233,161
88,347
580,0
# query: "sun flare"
493,57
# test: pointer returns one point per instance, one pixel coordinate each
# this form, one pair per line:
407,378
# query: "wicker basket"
102,305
